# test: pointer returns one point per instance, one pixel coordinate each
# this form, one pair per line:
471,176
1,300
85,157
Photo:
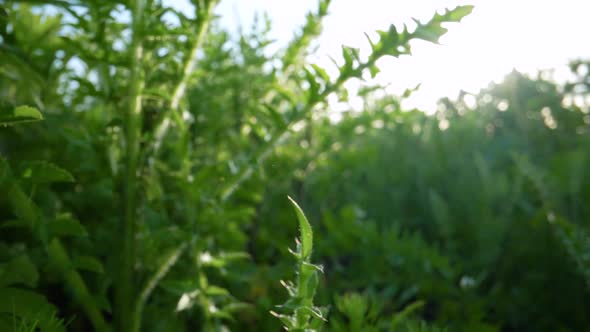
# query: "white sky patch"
500,35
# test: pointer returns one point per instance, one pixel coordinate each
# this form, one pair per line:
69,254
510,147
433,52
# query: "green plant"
23,309
152,195
171,128
365,312
302,314
454,216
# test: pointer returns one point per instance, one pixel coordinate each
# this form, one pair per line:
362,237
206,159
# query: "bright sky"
498,36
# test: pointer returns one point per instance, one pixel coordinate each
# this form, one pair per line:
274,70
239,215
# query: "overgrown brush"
138,190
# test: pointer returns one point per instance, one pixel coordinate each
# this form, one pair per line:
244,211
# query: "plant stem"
164,125
203,20
125,286
245,173
153,282
204,16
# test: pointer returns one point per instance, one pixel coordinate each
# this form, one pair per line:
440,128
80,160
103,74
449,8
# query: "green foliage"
25,309
43,172
151,196
20,114
482,195
304,316
306,237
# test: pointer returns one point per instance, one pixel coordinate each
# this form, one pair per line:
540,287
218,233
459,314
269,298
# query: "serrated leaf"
88,263
432,31
306,234
457,14
45,172
391,36
19,115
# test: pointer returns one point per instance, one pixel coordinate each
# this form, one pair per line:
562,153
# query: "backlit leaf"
19,115
306,236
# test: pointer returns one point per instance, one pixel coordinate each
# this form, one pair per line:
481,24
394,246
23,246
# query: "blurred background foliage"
474,218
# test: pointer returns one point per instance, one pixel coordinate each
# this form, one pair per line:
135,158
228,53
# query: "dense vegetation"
146,156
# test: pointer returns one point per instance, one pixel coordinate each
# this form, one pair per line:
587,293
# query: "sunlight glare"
497,37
